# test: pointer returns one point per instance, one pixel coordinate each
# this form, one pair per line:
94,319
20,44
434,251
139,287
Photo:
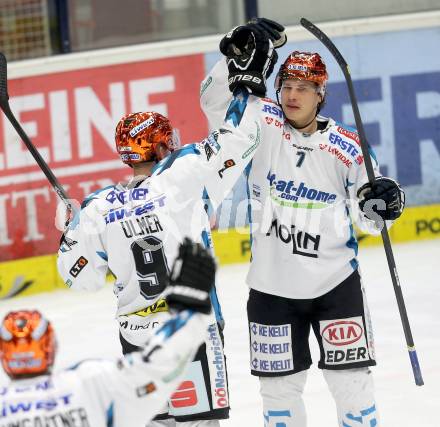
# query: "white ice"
86,328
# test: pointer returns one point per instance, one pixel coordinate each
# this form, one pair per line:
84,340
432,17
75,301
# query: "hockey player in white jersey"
99,393
304,178
134,230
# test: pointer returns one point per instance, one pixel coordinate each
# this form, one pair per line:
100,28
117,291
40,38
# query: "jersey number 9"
151,266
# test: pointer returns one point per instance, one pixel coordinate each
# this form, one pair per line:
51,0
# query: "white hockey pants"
352,390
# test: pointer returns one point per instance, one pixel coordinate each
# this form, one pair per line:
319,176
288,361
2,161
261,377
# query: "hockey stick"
370,172
4,105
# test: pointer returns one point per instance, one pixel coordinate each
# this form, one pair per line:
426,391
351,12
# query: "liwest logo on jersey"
271,347
285,193
344,341
303,243
14,407
135,194
118,214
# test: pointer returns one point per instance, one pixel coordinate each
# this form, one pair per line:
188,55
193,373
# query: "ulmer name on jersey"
76,417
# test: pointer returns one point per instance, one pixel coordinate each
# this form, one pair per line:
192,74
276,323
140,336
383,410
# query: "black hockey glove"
274,30
387,190
250,56
191,279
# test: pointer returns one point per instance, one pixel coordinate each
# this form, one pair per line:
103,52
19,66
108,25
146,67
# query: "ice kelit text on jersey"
271,347
303,243
285,192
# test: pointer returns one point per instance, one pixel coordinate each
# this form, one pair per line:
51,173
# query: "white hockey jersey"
299,186
98,393
135,230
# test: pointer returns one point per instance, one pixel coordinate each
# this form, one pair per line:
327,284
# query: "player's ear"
162,151
320,99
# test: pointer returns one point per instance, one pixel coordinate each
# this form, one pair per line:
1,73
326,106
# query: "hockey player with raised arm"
134,230
99,393
305,179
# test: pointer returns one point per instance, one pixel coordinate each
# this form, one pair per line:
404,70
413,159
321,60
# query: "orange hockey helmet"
303,66
27,344
138,136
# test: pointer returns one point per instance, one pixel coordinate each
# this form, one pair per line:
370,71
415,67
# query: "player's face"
299,99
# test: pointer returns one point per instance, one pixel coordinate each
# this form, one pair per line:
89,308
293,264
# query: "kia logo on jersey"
342,332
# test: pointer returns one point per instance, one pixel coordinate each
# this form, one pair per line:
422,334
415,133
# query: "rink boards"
69,104
39,274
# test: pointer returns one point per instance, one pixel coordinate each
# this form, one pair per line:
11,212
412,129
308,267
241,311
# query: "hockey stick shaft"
4,105
370,173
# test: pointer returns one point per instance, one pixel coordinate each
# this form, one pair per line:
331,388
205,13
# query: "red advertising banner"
71,117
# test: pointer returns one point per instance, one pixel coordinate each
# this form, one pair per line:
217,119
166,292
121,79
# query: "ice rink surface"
86,328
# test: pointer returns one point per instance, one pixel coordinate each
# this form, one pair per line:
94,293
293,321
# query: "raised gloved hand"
387,190
250,56
191,279
237,36
274,30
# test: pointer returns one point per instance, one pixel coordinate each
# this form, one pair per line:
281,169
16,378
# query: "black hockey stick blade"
4,105
325,40
320,35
